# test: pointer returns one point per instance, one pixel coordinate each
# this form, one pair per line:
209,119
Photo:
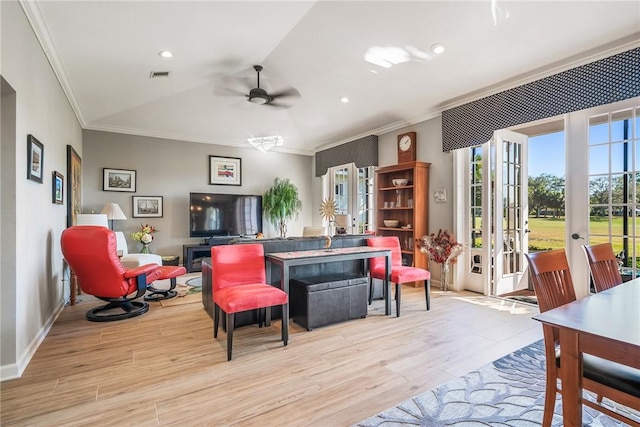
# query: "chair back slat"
551,279
603,265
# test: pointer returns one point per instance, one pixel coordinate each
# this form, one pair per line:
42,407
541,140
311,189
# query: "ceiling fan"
258,95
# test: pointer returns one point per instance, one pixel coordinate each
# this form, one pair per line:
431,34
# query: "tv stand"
195,253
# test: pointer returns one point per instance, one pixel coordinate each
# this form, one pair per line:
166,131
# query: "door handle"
576,236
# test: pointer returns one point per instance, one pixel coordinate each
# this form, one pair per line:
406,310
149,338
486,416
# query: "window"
614,180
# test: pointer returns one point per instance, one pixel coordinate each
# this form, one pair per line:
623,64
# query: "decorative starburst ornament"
328,209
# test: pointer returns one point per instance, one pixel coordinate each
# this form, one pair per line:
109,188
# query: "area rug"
507,392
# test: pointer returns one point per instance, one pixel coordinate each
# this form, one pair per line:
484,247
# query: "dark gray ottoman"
323,300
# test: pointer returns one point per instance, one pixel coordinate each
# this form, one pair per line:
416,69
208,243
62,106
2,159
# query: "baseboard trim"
14,370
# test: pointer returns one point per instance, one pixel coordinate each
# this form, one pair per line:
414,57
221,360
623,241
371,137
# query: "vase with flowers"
442,249
144,236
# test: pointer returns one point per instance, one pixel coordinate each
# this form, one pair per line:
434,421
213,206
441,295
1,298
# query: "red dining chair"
239,284
551,279
91,252
400,274
603,265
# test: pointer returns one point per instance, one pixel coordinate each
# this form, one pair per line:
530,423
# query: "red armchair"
91,252
239,284
399,273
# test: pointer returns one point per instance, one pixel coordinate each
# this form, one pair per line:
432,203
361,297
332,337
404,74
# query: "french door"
495,197
506,193
352,189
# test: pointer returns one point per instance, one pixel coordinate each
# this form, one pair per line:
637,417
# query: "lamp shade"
92,219
113,211
343,220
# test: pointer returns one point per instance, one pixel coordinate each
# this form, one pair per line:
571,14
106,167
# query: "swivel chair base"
130,308
161,294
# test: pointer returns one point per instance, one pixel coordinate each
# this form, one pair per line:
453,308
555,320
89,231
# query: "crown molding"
41,30
186,138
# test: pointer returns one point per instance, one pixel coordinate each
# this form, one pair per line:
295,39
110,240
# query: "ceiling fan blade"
286,93
233,86
227,91
279,105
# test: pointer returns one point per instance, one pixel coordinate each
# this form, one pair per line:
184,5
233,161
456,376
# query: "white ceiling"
104,51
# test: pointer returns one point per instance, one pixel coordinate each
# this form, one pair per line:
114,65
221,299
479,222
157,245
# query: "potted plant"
281,203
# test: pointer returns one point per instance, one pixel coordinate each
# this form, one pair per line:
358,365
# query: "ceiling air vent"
155,74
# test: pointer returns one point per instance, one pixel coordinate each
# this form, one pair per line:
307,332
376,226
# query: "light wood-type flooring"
165,368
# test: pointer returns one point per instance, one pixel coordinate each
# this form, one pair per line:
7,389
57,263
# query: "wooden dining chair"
551,279
603,265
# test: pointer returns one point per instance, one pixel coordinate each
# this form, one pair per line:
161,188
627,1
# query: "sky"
547,154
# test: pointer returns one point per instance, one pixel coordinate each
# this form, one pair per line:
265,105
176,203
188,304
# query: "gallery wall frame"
119,180
57,188
225,170
147,207
35,159
74,185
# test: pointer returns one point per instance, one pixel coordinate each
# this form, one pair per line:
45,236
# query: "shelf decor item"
281,203
442,249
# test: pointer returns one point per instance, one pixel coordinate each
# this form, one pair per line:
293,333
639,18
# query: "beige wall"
172,169
428,149
32,296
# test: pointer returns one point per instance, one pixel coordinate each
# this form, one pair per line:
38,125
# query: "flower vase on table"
144,236
443,249
444,276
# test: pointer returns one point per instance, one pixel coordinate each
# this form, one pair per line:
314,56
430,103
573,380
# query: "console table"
286,260
194,254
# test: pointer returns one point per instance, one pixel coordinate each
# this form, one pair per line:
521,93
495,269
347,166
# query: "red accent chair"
91,252
399,273
239,284
603,265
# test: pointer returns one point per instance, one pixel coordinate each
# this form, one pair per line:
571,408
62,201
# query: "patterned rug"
507,392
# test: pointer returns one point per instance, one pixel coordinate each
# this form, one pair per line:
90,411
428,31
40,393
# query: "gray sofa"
321,312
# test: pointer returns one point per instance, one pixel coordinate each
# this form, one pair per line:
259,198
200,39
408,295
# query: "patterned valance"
602,82
363,152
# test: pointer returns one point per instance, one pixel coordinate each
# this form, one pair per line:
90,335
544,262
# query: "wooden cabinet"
408,203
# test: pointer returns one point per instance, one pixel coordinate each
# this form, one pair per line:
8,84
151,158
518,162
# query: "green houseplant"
281,203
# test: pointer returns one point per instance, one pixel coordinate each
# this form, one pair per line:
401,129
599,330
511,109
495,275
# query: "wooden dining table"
606,325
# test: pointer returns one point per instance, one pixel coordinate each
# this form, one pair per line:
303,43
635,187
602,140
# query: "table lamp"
113,211
343,221
92,219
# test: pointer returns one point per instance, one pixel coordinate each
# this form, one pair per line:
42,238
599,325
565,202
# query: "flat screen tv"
217,215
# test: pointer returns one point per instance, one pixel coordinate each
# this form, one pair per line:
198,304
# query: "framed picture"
57,188
118,180
225,170
35,159
74,185
147,206
440,195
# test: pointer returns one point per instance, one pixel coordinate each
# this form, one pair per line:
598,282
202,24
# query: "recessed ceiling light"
437,48
344,99
165,53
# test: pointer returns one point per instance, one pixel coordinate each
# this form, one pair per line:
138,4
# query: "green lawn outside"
549,233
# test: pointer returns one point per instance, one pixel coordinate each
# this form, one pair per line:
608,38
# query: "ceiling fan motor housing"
259,96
